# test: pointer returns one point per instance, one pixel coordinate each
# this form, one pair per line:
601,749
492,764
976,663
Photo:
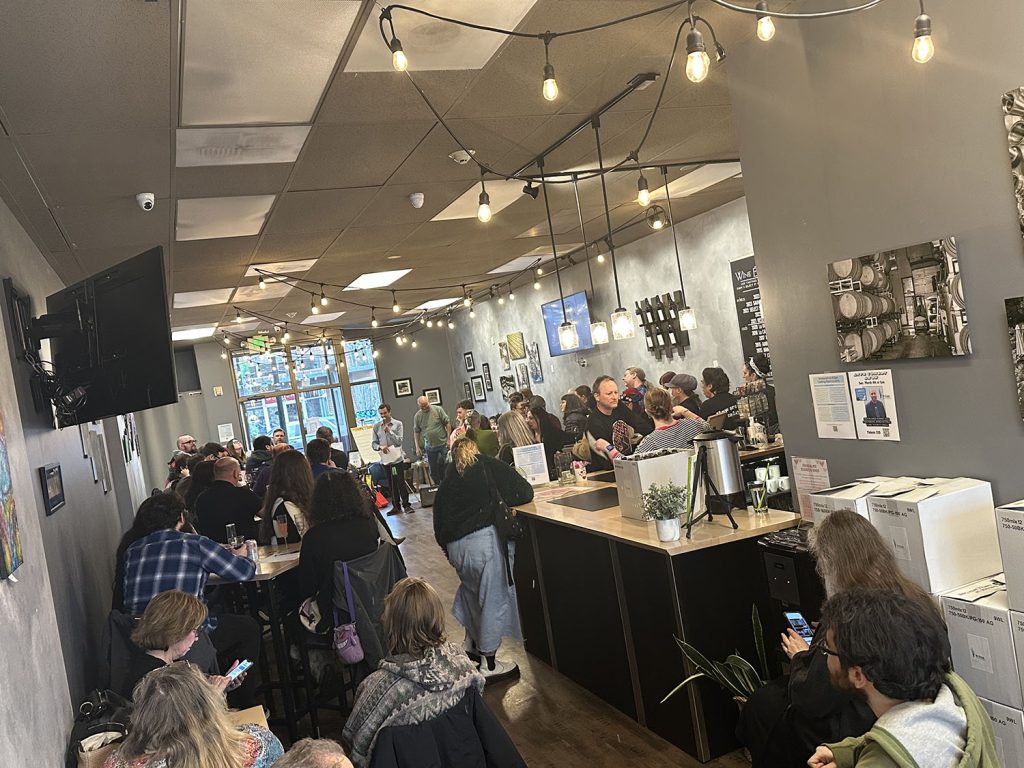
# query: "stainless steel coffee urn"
723,461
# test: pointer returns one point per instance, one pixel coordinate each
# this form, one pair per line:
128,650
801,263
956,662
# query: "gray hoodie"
932,732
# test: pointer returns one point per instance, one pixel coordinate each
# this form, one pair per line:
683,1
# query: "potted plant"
663,504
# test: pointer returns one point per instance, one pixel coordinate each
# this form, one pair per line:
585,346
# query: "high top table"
601,599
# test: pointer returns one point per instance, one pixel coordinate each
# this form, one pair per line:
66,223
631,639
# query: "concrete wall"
646,267
849,147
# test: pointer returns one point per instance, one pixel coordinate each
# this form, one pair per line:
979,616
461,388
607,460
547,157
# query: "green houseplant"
664,504
735,675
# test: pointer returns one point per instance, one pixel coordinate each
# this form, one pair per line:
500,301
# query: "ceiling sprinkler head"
462,156
416,199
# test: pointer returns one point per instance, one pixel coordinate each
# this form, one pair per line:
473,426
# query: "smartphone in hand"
242,667
800,626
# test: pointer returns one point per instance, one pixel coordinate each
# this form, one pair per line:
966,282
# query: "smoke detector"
462,156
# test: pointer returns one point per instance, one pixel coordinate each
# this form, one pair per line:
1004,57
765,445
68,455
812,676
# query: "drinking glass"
232,537
758,495
281,530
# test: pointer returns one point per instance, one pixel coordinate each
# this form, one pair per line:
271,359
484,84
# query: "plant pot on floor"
668,530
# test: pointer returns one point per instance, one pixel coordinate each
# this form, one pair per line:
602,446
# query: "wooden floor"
552,720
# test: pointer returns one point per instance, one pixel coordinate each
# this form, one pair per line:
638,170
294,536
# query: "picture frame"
522,376
516,345
534,364
403,387
52,482
468,358
508,385
479,395
506,363
486,368
433,395
468,389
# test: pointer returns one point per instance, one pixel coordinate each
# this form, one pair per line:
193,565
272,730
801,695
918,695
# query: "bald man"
432,429
227,501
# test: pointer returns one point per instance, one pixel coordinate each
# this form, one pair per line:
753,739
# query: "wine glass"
232,537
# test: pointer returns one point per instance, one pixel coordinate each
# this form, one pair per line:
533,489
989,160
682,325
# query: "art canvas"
522,375
1013,119
516,345
533,360
468,389
10,537
900,304
1015,326
479,395
486,367
508,385
506,364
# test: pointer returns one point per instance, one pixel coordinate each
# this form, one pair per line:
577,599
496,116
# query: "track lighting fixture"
531,190
398,58
394,303
643,194
483,211
373,318
262,283
765,23
656,217
323,298
924,48
697,60
550,87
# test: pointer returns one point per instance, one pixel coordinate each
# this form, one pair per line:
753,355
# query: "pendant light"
568,337
656,218
765,23
262,283
698,63
549,90
599,332
687,317
483,211
924,48
395,307
622,320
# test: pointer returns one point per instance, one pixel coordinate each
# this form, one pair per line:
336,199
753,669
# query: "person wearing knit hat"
683,388
665,378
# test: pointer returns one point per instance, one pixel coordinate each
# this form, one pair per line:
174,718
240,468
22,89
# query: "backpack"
103,711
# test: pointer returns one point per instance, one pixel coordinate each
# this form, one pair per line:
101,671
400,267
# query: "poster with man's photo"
874,405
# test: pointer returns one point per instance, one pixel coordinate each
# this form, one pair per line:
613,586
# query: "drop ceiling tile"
392,204
212,314
323,318
204,218
280,267
204,298
319,210
370,97
249,145
274,290
501,193
231,180
95,260
200,254
121,222
263,61
356,155
46,228
291,247
375,239
201,279
99,167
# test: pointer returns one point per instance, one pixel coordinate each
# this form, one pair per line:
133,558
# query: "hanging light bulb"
313,308
472,312
483,211
398,340
697,60
536,285
599,332
451,325
924,48
430,323
227,341
394,303
223,355
467,300
373,319
540,271
376,354
238,316
765,23
622,324
568,338
643,194
511,294
550,88
398,58
323,298
600,258
286,335
262,283
422,320
413,344
656,217
687,319
501,299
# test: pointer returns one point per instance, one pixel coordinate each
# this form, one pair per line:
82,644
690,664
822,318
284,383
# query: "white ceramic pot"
668,530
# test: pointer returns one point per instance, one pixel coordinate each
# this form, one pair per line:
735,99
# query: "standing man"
432,429
279,437
635,378
387,441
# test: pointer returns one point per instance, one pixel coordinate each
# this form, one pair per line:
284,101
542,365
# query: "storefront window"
260,373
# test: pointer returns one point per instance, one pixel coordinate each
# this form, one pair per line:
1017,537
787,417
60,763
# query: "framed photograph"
469,390
53,487
508,385
479,395
522,375
468,357
506,364
516,345
433,395
403,387
486,368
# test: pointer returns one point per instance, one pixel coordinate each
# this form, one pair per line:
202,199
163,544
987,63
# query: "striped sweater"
678,435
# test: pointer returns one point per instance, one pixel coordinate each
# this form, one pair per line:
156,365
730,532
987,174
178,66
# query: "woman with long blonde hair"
464,517
180,721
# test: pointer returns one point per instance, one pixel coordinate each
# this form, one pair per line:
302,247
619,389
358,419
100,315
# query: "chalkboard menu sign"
748,307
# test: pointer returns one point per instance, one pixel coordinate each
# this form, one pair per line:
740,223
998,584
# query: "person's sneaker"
408,508
502,670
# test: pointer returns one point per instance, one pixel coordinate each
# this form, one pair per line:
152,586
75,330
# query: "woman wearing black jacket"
574,416
485,603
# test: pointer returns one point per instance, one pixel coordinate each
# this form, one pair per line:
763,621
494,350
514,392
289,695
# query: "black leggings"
399,488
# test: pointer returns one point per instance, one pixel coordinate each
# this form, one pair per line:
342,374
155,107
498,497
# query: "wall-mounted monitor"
576,311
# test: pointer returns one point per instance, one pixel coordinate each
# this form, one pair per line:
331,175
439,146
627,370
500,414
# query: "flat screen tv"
577,311
110,341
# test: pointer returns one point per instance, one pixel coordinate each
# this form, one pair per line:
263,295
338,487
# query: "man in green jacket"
893,651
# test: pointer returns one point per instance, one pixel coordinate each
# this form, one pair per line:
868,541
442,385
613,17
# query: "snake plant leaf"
755,621
682,685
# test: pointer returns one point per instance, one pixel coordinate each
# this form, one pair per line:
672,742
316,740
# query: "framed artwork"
433,395
900,304
52,481
1015,326
468,389
522,375
533,361
516,345
486,368
11,555
479,395
468,357
1013,121
403,387
508,385
506,365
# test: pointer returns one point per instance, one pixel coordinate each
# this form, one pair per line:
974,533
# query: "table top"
762,453
273,562
611,524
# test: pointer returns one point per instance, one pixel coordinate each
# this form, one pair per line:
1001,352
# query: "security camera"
146,200
582,362
416,199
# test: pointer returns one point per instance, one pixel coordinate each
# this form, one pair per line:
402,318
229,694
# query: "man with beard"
893,652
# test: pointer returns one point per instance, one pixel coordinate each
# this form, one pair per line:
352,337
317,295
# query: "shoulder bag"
509,527
102,722
346,638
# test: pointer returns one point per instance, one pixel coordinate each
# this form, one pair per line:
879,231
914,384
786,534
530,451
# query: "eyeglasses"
829,652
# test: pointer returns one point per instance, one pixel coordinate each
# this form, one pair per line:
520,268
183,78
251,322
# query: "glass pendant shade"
599,332
687,319
568,338
623,326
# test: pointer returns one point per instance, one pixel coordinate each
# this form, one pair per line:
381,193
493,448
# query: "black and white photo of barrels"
1015,325
1013,119
903,303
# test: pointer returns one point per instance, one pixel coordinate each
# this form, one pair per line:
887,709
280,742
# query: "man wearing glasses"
893,652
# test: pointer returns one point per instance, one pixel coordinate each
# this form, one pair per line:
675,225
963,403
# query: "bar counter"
600,600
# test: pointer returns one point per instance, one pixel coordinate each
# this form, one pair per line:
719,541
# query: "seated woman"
574,416
287,496
178,719
784,722
342,527
669,433
423,675
170,625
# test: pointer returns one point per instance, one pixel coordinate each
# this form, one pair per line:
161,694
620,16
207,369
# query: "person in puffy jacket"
574,416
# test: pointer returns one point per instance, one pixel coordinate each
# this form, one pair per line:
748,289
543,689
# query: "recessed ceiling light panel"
255,293
190,332
239,146
205,218
372,280
205,298
281,267
426,306
518,264
322,319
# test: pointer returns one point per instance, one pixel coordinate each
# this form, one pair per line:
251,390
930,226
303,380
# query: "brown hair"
168,619
180,718
658,404
465,452
413,618
291,479
852,554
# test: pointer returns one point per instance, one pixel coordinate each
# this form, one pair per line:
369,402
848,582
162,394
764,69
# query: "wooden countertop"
611,524
762,453
273,562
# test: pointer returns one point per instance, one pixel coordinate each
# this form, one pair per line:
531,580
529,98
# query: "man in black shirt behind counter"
602,420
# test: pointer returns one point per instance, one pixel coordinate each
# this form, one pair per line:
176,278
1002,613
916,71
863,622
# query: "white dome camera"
416,199
146,200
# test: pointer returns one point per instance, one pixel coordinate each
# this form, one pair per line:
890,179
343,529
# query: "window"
362,375
261,372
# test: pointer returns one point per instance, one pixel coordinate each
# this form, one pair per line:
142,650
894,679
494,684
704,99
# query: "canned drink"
251,550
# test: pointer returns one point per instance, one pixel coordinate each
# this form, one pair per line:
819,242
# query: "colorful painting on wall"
10,538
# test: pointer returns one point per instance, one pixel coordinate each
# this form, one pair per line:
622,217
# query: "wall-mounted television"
576,311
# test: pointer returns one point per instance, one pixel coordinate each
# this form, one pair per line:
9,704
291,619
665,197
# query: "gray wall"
646,267
849,147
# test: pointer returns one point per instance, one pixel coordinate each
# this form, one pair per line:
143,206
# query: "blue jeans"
437,457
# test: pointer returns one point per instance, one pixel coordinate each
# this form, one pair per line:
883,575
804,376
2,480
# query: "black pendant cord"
607,212
583,231
675,241
554,249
